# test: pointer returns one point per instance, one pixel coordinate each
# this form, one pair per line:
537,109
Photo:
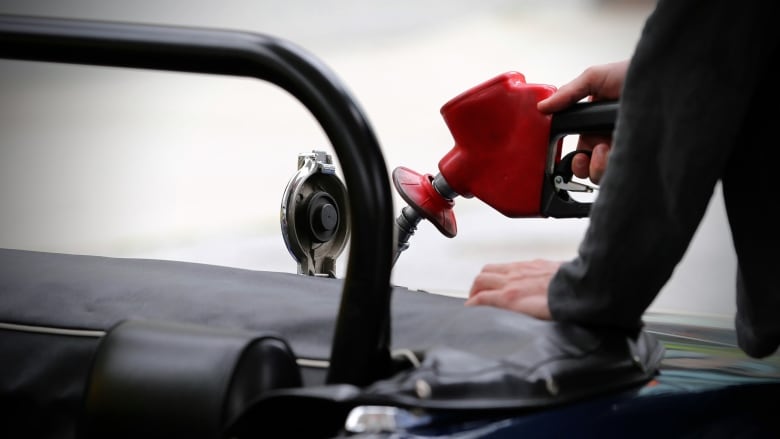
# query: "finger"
598,162
485,298
580,165
564,97
486,281
589,141
496,268
587,84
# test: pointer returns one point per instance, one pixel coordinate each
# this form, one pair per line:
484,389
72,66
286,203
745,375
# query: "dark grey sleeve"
688,91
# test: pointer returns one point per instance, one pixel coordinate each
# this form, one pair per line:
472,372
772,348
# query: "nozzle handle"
580,118
584,117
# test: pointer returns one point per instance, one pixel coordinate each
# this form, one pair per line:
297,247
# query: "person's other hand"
516,286
597,83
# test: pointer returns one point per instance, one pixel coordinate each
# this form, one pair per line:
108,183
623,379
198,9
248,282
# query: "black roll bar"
360,351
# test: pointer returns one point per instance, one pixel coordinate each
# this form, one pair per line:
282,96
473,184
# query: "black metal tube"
360,352
406,225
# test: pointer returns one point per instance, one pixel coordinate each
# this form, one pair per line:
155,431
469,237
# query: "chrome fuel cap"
315,215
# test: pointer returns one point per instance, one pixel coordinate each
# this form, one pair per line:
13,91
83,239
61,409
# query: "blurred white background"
137,163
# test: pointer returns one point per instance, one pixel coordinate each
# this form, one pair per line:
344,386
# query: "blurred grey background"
135,163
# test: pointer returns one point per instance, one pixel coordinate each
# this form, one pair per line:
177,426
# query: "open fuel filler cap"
315,215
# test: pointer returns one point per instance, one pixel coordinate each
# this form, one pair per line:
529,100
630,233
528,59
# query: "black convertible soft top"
56,309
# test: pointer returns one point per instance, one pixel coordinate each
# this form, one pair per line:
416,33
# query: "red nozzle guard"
418,191
501,144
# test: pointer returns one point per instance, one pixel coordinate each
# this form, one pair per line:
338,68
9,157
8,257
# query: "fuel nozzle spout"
428,197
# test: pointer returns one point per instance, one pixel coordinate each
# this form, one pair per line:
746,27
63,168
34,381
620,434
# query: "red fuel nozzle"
500,144
498,157
505,154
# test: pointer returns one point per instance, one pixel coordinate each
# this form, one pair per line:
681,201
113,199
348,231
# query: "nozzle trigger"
563,174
